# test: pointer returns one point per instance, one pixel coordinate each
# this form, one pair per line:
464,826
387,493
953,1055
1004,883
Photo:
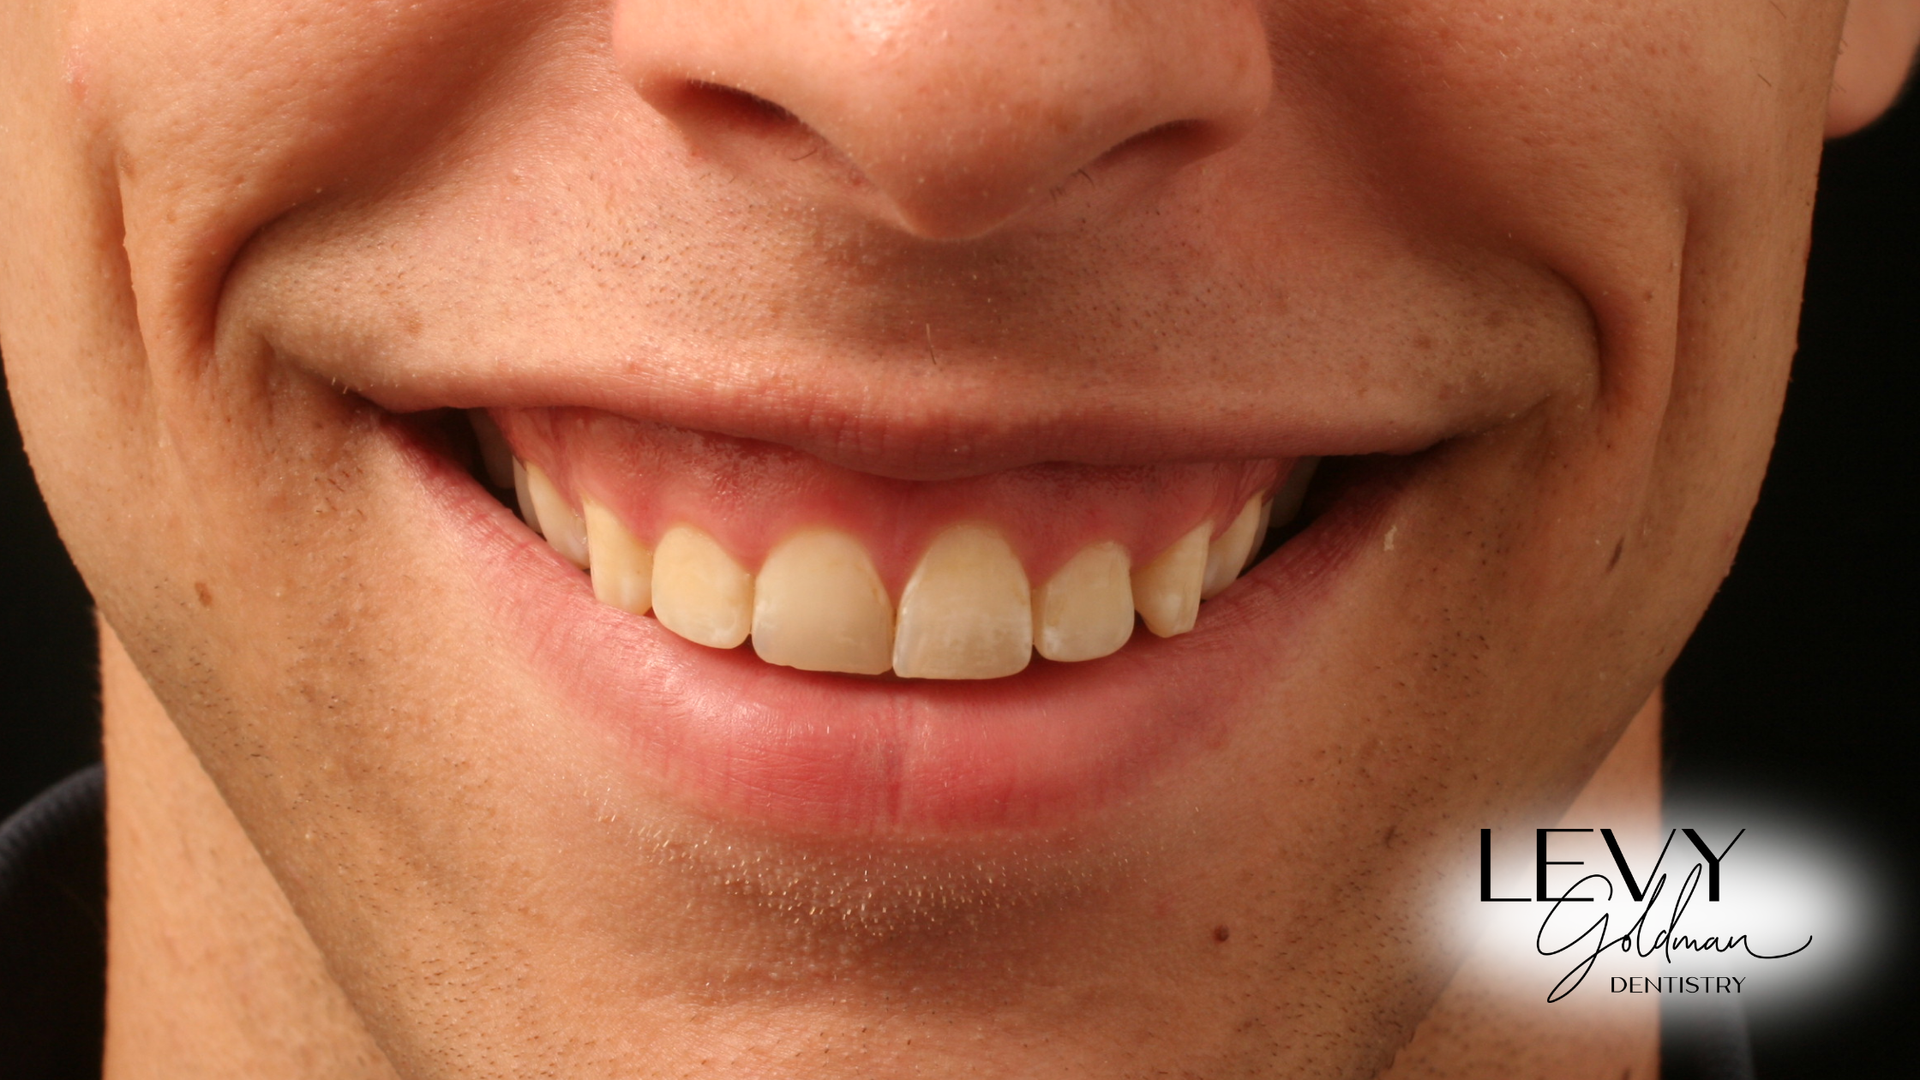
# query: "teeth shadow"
463,446
1326,480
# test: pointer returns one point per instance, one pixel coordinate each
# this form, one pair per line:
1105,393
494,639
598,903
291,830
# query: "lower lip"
828,754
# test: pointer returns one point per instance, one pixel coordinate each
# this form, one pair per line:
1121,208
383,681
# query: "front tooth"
560,524
622,567
495,454
1228,552
699,592
1166,591
1085,610
1292,492
966,612
523,497
818,605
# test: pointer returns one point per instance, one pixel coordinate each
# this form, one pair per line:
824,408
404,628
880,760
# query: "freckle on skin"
1221,933
205,594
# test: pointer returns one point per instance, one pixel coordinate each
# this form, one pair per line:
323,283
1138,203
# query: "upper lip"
958,430
902,377
907,360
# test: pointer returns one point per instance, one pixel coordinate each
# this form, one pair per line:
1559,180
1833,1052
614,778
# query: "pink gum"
751,495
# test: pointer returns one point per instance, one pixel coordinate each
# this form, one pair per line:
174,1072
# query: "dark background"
1800,684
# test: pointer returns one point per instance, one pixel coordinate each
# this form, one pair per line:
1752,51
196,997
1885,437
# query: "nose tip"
954,115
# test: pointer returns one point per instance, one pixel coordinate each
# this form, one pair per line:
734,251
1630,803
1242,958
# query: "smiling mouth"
765,636
726,541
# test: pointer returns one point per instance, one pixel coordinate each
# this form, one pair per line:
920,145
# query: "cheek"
222,118
193,488
1579,136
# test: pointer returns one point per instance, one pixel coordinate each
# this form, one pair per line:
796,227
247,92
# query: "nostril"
1181,138
726,103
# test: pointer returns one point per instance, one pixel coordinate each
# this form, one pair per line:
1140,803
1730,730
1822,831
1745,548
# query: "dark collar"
53,932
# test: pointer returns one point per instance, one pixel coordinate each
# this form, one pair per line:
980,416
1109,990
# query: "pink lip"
830,754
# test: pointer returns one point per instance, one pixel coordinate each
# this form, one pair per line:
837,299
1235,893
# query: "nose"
953,115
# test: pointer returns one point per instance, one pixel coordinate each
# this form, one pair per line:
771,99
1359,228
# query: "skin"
1544,260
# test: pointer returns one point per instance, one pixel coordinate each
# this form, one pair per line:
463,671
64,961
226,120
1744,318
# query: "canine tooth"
699,592
1228,552
560,524
966,612
524,498
1166,591
495,454
1292,492
1085,610
621,565
818,605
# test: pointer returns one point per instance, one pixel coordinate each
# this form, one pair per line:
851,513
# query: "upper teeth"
1166,591
818,604
966,612
1085,610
